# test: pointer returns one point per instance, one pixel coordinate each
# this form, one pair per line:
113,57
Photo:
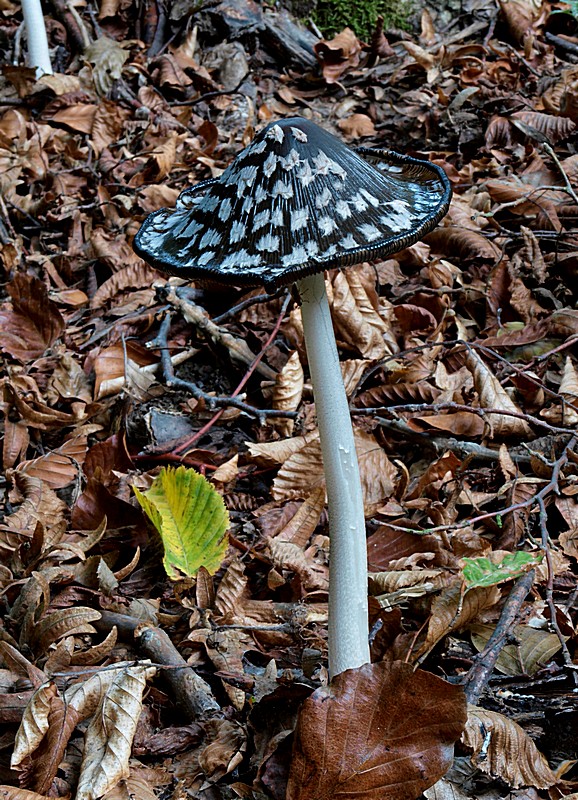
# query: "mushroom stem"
38,54
348,616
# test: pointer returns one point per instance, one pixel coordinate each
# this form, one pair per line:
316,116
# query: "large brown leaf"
378,731
33,323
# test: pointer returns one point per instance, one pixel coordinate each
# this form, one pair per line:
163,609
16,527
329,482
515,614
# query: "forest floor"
460,359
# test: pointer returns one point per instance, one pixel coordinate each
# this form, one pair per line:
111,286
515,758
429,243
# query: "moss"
331,16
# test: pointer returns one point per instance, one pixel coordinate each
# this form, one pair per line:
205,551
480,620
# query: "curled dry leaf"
108,739
339,54
508,752
64,622
493,395
383,730
135,276
287,392
357,320
520,15
13,793
59,467
34,724
300,527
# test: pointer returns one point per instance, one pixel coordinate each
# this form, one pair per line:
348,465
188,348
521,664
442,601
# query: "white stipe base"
348,620
38,54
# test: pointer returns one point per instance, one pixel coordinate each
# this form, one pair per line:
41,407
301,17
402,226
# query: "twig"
416,408
443,443
237,348
478,676
550,590
562,171
552,485
559,41
192,693
183,447
212,402
249,301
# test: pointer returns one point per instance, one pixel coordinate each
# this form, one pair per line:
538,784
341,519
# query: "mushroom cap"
294,202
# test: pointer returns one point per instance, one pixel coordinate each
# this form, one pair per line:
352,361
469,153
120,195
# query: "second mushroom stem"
348,616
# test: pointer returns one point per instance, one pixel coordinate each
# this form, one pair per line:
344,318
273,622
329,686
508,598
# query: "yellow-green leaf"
191,518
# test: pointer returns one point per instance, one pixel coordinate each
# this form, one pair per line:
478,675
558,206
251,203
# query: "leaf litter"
459,357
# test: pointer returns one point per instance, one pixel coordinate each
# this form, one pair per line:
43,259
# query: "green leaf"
191,518
483,572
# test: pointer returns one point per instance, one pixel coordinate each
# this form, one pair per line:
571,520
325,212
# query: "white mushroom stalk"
38,53
348,614
294,203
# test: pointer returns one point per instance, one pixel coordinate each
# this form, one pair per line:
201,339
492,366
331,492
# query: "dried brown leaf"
64,622
508,752
32,322
356,316
357,126
302,524
339,54
493,395
60,466
383,730
287,392
452,611
135,276
109,736
533,649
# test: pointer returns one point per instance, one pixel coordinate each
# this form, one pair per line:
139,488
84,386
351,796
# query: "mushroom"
293,203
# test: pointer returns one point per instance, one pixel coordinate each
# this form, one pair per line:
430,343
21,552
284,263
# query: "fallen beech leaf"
287,392
32,322
519,15
301,526
533,648
451,611
191,518
507,752
493,395
34,724
107,58
13,793
59,467
383,730
64,622
356,318
460,423
108,739
79,117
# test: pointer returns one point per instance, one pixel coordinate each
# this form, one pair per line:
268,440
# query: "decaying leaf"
108,739
382,729
533,649
493,396
287,392
508,751
303,471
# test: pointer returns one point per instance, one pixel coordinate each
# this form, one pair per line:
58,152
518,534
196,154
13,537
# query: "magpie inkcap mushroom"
295,202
